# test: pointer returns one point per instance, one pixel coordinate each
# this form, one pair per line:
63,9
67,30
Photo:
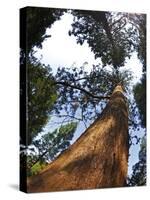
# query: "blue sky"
61,50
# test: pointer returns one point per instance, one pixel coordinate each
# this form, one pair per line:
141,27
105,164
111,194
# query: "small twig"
69,116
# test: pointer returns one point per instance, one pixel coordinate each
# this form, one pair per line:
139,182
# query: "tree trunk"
98,159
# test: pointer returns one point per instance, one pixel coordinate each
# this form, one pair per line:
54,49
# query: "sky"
61,50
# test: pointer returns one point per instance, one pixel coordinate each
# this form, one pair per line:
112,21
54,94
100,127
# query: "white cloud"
133,64
62,50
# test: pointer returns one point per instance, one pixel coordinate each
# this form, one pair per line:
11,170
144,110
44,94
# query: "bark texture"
98,159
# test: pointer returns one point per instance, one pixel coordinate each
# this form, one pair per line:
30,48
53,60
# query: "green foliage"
108,34
47,147
140,98
142,41
36,168
41,93
41,97
38,20
138,177
52,143
139,21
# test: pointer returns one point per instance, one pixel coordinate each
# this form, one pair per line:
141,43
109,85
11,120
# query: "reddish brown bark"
98,159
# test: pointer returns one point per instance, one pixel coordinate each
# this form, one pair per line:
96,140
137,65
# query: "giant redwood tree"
99,157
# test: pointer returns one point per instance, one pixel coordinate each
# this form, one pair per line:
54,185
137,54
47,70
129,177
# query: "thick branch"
82,90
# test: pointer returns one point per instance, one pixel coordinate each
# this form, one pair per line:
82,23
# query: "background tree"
106,33
140,88
37,20
41,97
48,146
138,177
140,98
139,22
139,169
36,85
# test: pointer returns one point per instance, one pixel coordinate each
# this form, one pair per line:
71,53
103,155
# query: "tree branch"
79,79
82,90
70,116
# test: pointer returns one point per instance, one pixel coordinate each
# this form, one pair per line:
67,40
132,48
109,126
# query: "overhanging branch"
82,90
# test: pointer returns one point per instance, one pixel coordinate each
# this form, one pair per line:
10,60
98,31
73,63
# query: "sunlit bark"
98,159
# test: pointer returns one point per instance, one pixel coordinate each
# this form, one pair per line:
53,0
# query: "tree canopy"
106,33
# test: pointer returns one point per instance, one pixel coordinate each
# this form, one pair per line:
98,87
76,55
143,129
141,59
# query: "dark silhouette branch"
83,78
73,117
70,116
82,90
39,158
